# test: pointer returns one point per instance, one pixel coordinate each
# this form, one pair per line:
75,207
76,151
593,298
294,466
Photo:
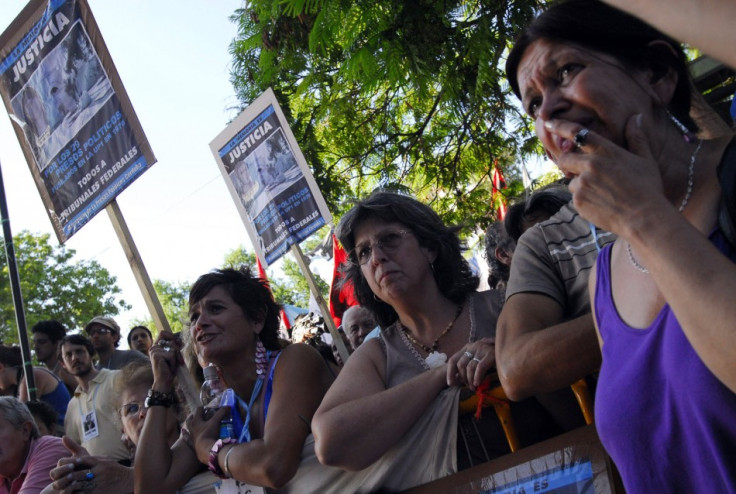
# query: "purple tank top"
668,423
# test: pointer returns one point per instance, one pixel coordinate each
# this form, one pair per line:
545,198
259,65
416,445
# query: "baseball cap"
108,322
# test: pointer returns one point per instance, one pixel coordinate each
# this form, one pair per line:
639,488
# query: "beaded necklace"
435,344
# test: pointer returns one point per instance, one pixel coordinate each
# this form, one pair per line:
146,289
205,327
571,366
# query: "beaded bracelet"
212,463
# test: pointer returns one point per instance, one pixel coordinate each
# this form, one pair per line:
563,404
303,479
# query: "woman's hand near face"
158,466
466,370
612,186
165,357
621,191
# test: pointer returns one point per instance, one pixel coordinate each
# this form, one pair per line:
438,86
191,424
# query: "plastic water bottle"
230,426
212,388
214,394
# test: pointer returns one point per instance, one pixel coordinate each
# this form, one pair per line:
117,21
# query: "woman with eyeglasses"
103,475
395,404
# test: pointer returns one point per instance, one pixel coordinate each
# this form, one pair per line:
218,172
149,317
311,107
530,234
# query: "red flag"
340,299
262,275
498,183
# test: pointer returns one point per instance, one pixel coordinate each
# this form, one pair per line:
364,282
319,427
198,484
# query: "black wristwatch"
159,399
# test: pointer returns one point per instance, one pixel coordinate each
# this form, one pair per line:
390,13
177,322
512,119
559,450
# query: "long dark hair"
250,293
594,25
452,273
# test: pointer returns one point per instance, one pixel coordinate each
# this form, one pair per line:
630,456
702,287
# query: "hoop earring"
686,133
376,298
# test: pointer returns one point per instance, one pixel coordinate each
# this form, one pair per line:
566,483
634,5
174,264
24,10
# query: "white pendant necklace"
434,357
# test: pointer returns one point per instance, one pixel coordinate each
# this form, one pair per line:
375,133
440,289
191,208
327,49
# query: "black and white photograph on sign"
266,172
61,96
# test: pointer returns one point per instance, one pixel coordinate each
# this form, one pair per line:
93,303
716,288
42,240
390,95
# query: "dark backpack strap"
727,180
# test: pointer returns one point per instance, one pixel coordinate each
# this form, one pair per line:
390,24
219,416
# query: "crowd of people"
620,283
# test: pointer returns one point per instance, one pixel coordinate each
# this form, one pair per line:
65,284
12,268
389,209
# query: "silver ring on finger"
476,359
581,137
469,355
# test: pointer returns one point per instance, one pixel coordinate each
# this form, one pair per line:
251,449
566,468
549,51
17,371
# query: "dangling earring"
260,357
686,133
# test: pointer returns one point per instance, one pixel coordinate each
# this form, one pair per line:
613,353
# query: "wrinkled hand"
71,473
165,358
204,429
611,185
466,370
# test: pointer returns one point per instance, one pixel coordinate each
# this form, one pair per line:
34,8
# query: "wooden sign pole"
336,338
136,264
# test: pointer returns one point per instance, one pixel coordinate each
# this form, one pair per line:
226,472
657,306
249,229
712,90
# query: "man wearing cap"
105,335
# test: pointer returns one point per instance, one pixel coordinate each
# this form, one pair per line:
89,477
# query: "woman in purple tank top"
610,97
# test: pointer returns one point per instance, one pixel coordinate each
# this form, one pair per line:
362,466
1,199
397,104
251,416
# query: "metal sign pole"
20,316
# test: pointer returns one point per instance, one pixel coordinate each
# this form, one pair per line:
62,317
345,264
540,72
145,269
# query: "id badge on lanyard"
90,426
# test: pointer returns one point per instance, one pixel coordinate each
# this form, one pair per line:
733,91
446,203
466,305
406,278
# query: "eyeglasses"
130,409
388,242
95,331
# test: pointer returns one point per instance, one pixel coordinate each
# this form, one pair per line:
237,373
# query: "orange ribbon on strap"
488,396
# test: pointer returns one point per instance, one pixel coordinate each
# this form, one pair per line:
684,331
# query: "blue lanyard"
245,433
595,236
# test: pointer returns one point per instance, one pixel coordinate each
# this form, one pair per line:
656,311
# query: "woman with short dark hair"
610,98
234,326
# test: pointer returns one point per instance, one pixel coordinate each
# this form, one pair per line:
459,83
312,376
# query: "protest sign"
269,179
76,125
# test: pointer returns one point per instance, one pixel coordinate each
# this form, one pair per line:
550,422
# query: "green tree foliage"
405,93
294,289
174,299
239,257
291,289
55,286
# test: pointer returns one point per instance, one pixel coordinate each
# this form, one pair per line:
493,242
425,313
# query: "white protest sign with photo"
269,179
79,133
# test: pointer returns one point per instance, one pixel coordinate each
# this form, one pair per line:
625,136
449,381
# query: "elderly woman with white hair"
25,456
